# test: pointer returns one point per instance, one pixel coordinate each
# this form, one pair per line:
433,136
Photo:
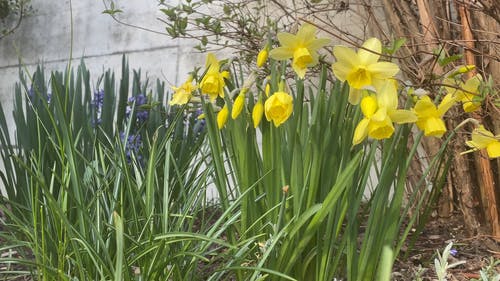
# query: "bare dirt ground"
476,251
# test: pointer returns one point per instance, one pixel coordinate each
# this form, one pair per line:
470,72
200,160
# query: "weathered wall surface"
45,37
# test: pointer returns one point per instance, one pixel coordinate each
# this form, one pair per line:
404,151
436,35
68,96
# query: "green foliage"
227,24
490,272
302,187
84,200
441,263
395,46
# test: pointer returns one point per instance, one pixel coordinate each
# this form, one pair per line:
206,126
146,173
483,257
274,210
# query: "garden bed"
476,251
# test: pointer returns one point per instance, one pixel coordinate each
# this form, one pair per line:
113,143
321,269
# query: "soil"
476,252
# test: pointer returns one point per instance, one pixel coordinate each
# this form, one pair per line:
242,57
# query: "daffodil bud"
257,113
262,56
238,105
268,89
222,117
461,70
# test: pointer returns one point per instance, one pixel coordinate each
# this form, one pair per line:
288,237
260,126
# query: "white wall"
45,37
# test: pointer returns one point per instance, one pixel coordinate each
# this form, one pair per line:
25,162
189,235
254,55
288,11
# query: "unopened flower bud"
238,105
222,117
262,57
257,113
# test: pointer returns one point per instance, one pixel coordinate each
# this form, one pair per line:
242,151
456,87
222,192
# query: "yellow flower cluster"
372,85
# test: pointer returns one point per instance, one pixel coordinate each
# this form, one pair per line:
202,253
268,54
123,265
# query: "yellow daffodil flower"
278,107
302,48
461,70
222,117
482,138
262,56
380,111
430,117
183,94
238,105
213,83
467,93
257,113
362,69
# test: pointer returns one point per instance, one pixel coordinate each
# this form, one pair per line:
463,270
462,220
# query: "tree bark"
482,163
431,25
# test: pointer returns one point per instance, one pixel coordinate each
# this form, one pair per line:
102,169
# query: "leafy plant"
441,263
302,183
102,186
490,272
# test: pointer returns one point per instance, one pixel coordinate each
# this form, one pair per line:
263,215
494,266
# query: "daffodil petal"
380,115
314,61
287,39
470,106
281,53
346,56
387,95
369,106
482,137
383,70
341,70
425,107
402,116
447,102
474,145
211,61
366,57
451,86
301,72
225,74
355,96
472,84
493,149
317,44
306,32
361,131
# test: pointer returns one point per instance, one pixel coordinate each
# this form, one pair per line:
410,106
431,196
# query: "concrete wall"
45,37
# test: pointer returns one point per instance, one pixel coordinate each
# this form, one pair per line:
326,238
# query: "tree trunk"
450,26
